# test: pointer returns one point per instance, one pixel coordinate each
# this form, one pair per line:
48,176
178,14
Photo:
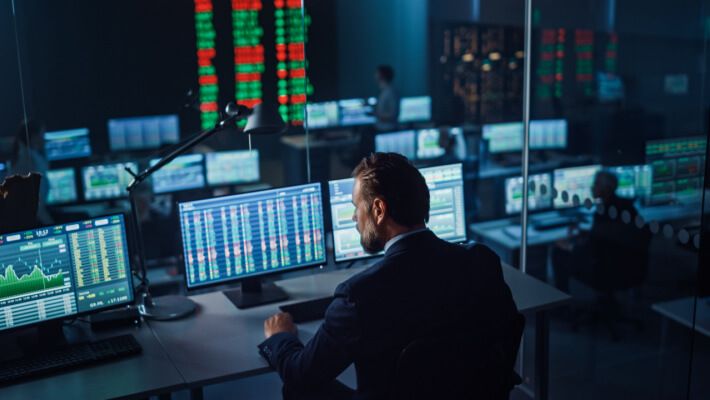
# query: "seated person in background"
613,239
422,285
387,108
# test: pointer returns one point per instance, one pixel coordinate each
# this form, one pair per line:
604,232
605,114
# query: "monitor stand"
255,293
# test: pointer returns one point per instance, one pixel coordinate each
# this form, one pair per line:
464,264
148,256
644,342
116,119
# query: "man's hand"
281,322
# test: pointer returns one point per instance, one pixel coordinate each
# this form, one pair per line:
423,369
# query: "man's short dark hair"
386,72
392,177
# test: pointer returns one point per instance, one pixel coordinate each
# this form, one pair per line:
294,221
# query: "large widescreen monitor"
539,193
62,186
139,133
403,142
414,109
63,270
232,167
67,144
183,173
447,217
246,235
106,181
678,166
574,185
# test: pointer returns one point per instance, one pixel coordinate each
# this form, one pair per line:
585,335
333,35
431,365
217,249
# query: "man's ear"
379,210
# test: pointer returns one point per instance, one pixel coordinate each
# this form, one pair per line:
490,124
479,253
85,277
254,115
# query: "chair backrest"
459,365
19,199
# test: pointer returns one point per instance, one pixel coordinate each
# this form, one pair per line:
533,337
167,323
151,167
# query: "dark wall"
11,99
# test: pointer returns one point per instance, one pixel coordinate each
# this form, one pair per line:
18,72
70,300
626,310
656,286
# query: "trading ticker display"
232,237
677,167
264,65
63,270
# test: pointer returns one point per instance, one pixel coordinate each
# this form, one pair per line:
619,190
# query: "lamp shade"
265,119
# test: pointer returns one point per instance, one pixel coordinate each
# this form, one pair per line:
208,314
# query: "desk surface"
151,372
681,311
220,342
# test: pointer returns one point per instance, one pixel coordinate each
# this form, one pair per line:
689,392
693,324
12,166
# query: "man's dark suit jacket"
421,284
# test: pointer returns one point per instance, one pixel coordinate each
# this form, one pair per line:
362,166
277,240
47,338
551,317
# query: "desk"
150,373
681,311
220,342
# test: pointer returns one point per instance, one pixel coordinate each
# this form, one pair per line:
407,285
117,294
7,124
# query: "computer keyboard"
309,310
554,222
73,356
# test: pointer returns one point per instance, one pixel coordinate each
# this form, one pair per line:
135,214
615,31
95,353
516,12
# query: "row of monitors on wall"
421,144
354,112
678,167
573,186
137,133
507,137
193,171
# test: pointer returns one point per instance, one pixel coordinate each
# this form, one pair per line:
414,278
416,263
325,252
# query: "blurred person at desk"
387,108
610,249
28,156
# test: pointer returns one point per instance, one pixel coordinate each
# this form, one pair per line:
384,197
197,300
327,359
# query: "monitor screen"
356,112
234,237
183,173
504,137
446,215
232,167
3,169
574,185
413,109
322,115
68,144
428,144
108,181
404,143
548,134
62,186
634,181
677,168
139,133
539,193
63,270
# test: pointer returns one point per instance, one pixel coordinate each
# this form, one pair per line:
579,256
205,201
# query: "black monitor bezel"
260,275
129,247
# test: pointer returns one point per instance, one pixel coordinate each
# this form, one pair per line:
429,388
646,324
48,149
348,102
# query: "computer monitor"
62,186
183,173
634,181
503,137
548,134
356,111
403,142
574,185
322,115
67,144
246,236
232,167
447,217
414,109
678,166
428,144
106,181
539,193
63,271
139,133
3,169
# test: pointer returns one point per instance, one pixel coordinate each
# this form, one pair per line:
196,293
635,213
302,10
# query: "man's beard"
371,238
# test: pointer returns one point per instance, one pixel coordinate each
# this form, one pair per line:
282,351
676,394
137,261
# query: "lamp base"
166,308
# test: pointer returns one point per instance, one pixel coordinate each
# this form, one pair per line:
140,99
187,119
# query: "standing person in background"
28,156
387,108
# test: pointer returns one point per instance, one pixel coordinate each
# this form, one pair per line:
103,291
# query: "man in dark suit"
422,285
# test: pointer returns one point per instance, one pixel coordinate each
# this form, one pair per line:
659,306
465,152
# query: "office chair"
19,199
619,267
461,365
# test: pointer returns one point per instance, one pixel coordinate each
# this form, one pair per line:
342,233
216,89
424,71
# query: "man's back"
423,285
